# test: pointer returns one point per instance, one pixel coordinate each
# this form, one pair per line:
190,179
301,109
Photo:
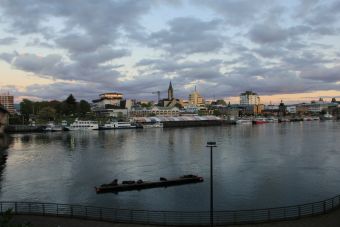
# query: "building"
110,105
249,98
7,101
3,118
170,101
196,99
108,100
154,111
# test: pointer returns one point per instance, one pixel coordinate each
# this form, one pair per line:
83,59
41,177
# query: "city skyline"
281,50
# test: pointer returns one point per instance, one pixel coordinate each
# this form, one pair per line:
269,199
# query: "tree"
221,102
47,113
69,106
84,107
26,107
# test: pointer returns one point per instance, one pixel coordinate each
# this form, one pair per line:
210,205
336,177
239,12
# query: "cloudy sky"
286,50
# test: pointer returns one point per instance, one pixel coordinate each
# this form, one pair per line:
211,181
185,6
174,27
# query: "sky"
283,50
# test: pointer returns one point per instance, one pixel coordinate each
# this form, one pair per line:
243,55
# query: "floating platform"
140,185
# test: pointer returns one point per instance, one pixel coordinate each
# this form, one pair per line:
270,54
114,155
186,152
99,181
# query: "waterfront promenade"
324,220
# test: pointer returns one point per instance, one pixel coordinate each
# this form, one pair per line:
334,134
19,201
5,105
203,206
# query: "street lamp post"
211,145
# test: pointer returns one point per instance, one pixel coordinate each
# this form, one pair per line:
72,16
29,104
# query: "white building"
249,98
108,99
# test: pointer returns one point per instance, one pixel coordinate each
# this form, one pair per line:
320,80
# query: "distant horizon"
285,50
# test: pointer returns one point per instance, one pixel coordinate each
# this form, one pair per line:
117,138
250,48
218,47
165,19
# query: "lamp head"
211,144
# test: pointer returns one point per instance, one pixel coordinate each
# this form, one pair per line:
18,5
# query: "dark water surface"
254,166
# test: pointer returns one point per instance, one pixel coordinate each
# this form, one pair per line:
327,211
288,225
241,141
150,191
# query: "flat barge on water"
140,185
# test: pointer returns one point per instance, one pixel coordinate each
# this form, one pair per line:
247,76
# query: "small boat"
140,184
272,120
51,127
260,120
283,120
244,121
153,125
82,125
116,125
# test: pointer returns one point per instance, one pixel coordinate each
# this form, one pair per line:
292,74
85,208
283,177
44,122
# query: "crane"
158,95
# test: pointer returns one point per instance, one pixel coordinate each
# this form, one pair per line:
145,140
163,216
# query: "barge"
140,185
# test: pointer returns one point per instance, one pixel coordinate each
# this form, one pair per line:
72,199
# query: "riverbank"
325,220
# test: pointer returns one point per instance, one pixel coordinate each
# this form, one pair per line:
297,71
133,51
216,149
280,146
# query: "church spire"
170,92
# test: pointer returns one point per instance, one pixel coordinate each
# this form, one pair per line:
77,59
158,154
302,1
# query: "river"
254,166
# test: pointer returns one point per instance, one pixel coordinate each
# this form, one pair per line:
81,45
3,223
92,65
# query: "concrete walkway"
327,220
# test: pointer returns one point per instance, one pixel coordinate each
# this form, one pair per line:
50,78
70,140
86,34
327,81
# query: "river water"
254,166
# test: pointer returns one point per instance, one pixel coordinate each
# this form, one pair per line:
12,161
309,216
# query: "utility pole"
211,145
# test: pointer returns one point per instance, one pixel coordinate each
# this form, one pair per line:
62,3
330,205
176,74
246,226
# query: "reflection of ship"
116,125
327,116
83,125
153,125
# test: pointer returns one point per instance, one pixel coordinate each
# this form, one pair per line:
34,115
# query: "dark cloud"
7,40
262,33
188,36
322,74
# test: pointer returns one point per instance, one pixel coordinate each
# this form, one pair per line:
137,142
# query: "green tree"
26,107
221,102
217,112
84,107
69,106
47,113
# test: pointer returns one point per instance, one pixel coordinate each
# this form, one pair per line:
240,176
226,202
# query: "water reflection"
5,142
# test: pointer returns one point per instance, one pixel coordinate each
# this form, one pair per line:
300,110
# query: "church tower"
170,92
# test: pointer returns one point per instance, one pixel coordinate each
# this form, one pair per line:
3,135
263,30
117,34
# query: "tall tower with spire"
170,92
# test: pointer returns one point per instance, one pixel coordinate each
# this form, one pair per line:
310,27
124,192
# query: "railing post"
101,214
71,209
86,213
43,205
268,215
1,207
57,209
324,206
131,216
332,203
15,207
234,217
299,211
29,208
313,209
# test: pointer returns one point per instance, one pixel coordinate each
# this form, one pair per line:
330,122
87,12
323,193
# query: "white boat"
327,116
272,120
83,125
116,125
244,121
51,127
153,125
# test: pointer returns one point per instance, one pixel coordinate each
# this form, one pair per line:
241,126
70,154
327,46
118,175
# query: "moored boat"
114,186
83,125
117,125
51,127
260,120
244,121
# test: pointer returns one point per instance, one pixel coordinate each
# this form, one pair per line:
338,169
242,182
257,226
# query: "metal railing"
172,217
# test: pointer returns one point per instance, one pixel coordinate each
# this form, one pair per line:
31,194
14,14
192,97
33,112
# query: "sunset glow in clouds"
286,50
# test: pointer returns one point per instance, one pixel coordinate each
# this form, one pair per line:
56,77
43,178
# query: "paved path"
326,220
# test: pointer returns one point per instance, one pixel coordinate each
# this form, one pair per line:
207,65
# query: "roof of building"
181,118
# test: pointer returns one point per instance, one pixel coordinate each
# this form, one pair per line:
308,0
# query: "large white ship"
83,125
116,125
